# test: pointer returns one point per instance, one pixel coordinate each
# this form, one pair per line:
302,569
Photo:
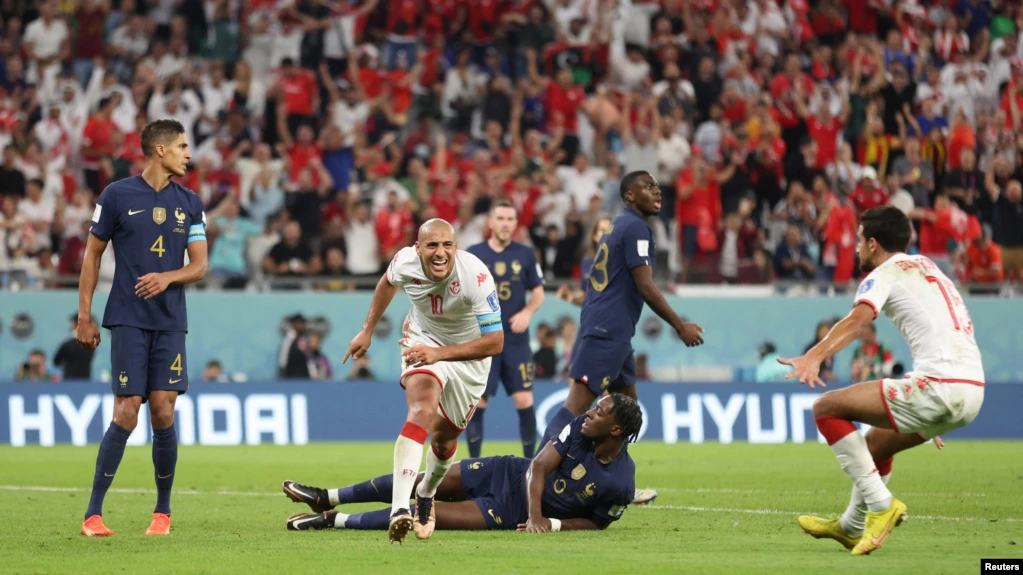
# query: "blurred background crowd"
322,131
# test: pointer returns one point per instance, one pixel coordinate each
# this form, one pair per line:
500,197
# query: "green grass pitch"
722,509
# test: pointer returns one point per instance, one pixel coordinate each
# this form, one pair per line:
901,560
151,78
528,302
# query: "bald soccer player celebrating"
448,338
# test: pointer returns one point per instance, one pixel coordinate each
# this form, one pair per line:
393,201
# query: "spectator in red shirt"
869,193
983,260
699,199
97,144
839,256
404,20
826,128
394,227
300,95
564,99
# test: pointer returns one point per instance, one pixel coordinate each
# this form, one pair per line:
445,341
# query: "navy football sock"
527,431
109,458
165,457
376,490
562,418
474,432
370,520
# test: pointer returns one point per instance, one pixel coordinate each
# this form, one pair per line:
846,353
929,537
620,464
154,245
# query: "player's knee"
421,414
523,400
824,405
162,415
126,412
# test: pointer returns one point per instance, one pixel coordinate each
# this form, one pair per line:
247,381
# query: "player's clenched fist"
541,525
88,334
689,333
420,355
358,347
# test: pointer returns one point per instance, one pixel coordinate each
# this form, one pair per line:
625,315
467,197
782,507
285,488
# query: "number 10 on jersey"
437,304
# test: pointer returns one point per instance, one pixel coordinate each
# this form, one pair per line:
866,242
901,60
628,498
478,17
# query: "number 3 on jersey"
437,304
600,265
967,325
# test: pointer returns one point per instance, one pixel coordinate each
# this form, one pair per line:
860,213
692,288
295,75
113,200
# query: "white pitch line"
647,506
136,490
781,512
800,492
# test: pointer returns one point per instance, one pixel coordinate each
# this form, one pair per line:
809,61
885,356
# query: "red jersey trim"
870,303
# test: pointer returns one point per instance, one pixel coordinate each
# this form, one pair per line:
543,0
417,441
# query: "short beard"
866,266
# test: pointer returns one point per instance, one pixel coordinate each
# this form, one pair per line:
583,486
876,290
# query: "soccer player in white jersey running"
943,392
448,338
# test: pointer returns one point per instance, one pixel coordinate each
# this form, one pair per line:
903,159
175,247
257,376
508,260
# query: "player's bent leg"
580,398
461,515
422,392
527,421
108,459
439,459
834,413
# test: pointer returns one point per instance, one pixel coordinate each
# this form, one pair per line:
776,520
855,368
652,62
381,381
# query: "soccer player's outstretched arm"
689,333
382,296
543,465
88,333
846,331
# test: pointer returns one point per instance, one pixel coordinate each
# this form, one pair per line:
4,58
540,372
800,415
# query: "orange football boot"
93,527
160,525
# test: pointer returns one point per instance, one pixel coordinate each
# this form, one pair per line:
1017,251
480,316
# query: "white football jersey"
456,310
926,307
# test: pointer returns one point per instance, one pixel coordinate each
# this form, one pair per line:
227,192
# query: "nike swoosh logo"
158,476
174,381
300,522
132,213
570,456
373,485
108,474
877,541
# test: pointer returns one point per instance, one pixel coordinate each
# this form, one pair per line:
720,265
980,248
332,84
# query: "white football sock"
854,457
854,520
332,495
408,454
339,520
436,469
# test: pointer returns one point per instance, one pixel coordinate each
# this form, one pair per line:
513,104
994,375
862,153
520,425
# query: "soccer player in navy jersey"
621,280
516,273
152,222
583,479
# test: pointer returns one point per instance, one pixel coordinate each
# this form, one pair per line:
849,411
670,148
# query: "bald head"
431,228
437,248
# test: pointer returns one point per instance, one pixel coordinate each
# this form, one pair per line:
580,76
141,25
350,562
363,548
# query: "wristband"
555,524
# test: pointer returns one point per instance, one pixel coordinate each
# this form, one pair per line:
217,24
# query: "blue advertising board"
288,413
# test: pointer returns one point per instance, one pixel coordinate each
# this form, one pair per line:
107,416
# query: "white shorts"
928,406
462,383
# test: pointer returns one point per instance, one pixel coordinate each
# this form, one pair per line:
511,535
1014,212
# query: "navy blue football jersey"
516,272
613,303
150,232
582,486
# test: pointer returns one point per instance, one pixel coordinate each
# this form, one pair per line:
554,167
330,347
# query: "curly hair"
627,415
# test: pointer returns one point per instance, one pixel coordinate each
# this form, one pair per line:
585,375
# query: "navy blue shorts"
497,485
603,364
514,368
143,361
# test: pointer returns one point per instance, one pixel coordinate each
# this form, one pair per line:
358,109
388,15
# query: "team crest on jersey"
865,287
500,268
516,267
579,472
159,215
180,216
456,288
417,282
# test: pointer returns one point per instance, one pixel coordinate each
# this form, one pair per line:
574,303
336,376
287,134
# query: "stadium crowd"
322,132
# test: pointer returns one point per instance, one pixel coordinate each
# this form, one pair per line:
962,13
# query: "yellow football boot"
830,528
879,526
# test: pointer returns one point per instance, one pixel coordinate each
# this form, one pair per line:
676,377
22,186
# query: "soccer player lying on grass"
583,479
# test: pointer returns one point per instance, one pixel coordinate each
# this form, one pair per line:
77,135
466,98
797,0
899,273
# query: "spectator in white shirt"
581,181
46,40
38,212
